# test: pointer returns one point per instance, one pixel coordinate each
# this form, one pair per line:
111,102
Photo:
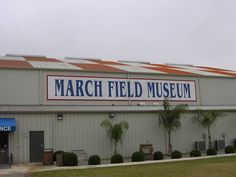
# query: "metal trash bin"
59,159
48,156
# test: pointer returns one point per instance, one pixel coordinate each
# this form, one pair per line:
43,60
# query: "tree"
206,119
115,131
169,118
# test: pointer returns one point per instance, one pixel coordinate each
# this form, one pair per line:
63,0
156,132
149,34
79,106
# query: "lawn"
217,167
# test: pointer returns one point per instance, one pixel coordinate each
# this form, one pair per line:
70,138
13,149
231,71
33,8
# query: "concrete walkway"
13,175
19,170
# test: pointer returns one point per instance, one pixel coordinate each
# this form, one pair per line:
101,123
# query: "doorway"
36,146
4,149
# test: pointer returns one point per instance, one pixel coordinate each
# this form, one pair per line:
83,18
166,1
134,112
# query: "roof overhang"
100,108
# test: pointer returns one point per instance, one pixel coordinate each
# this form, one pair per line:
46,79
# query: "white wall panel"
19,140
218,91
19,87
83,132
29,87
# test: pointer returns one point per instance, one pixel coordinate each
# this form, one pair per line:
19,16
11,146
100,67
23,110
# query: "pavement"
13,175
20,170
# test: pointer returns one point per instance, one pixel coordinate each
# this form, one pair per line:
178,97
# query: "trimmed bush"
176,155
137,157
94,160
195,153
55,154
117,158
70,159
158,155
211,151
229,149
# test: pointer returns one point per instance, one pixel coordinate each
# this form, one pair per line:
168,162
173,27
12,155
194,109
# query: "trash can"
48,156
59,159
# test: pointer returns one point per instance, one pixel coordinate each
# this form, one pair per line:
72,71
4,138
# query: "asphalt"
20,170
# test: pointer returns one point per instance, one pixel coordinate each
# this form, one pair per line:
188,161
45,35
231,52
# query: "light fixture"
112,115
59,116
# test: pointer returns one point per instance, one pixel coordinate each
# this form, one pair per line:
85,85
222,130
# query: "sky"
198,32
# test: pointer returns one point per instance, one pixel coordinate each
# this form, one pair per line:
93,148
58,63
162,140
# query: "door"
4,150
36,146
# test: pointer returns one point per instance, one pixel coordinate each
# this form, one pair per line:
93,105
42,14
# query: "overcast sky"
199,32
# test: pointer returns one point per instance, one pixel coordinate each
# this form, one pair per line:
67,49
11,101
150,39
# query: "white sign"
5,128
107,88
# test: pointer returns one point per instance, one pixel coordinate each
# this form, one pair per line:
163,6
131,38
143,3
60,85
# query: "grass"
217,167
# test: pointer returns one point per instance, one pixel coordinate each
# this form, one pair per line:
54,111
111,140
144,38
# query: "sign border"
133,78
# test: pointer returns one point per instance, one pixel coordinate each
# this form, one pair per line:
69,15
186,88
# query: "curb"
132,163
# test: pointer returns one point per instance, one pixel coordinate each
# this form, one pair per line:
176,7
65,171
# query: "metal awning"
7,125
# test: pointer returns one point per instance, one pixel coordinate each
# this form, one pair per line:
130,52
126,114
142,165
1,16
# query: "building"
59,104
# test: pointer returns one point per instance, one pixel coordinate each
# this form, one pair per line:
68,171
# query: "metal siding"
226,125
191,131
144,129
83,132
30,87
218,91
19,87
183,139
80,132
19,139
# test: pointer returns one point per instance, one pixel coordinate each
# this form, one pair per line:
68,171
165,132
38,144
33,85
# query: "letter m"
59,87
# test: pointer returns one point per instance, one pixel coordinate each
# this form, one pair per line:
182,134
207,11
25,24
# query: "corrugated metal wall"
218,91
19,87
19,140
191,131
83,132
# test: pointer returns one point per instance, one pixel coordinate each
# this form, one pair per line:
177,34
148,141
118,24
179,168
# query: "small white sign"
5,128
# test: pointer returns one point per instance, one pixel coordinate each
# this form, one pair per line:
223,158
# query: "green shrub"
94,160
195,153
55,154
211,151
176,155
117,158
70,159
229,149
137,157
158,155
